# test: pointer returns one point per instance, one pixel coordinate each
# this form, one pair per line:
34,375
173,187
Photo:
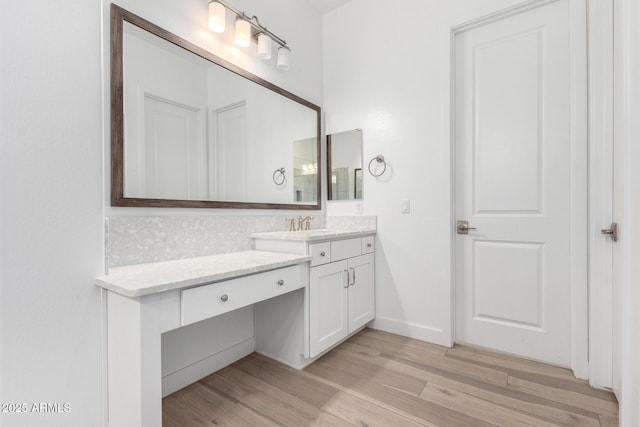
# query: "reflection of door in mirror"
305,170
228,168
344,152
172,151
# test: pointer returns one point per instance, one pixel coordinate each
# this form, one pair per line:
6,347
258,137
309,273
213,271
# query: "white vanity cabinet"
341,300
341,295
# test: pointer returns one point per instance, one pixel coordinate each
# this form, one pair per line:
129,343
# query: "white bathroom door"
513,184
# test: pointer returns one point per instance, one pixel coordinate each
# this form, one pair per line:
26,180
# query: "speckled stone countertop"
312,235
145,279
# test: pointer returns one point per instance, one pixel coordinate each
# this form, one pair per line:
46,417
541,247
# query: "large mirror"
192,130
344,165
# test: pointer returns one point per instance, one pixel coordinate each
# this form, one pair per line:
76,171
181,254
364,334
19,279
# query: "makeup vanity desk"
145,300
309,291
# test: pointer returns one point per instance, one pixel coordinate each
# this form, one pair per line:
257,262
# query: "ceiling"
325,6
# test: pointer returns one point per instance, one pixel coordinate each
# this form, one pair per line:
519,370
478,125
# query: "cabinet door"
327,306
361,292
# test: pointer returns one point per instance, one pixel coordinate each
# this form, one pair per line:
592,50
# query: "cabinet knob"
224,298
369,245
280,282
322,253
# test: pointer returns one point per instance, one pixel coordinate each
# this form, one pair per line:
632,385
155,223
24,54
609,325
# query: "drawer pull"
280,282
322,253
346,285
354,275
224,298
369,245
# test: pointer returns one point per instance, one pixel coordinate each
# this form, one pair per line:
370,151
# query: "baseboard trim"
410,330
188,375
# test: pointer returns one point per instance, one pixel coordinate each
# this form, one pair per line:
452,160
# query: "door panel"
513,153
327,306
361,292
507,175
520,284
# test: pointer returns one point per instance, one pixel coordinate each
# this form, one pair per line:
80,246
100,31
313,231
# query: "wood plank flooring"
380,379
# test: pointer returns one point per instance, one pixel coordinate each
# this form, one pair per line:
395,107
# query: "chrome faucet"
292,224
303,223
307,222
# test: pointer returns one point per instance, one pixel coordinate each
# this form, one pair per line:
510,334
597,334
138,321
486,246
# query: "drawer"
342,249
320,253
368,245
209,300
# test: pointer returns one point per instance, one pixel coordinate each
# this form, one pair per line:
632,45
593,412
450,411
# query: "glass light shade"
264,46
243,33
284,58
217,17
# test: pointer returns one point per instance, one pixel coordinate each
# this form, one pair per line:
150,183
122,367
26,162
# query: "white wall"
391,79
51,212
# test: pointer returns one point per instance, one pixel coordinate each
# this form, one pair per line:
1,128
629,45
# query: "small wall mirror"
344,166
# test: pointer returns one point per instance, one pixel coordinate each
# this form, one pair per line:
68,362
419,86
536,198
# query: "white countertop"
144,279
312,235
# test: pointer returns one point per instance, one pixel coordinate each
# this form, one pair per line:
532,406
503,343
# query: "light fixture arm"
257,27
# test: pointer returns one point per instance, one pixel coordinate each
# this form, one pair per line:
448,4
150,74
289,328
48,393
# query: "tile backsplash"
354,222
137,240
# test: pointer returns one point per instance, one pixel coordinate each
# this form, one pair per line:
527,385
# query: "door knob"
463,227
611,231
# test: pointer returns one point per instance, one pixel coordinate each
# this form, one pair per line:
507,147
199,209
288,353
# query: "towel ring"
380,159
279,177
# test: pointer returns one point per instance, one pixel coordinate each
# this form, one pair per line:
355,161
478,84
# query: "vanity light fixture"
264,46
243,33
249,29
284,58
217,17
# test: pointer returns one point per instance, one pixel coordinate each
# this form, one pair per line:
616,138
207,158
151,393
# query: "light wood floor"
380,379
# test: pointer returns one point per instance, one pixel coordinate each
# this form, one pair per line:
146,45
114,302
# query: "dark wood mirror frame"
118,17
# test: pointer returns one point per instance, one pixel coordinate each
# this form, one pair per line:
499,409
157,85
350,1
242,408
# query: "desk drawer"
212,300
320,253
367,245
343,249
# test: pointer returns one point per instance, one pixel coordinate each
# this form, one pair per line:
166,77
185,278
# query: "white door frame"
627,137
600,19
579,291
